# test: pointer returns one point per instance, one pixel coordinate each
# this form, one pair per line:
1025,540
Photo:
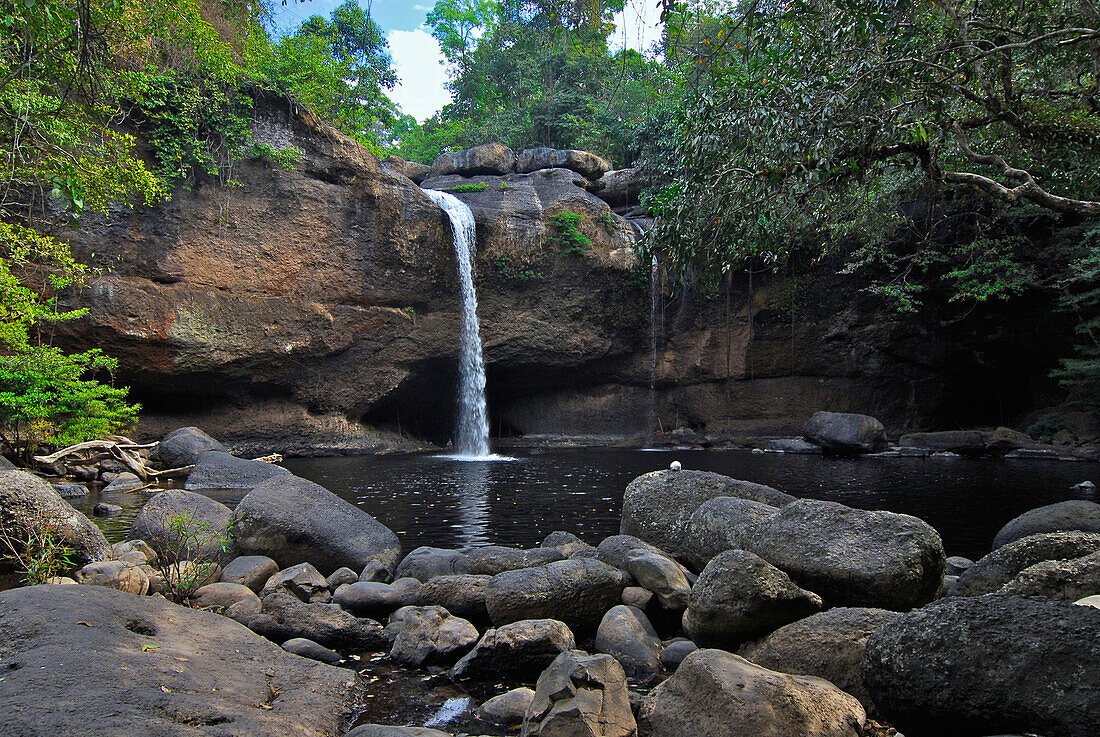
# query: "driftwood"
118,447
172,473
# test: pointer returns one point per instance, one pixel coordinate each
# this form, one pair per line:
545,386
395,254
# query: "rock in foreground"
988,665
86,661
716,694
1074,514
583,695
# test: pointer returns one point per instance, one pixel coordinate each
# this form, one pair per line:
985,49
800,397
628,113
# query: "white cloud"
637,26
422,73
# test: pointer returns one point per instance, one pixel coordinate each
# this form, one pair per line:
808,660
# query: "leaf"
149,648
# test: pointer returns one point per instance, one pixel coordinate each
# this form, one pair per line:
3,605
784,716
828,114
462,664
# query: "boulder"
291,519
517,649
252,571
489,158
183,525
797,446
719,524
660,575
583,162
341,576
143,667
374,600
852,557
637,597
716,694
626,634
387,730
179,580
844,433
103,509
657,506
576,592
430,635
426,562
675,652
956,565
583,695
828,645
740,596
129,547
566,542
216,469
375,572
616,549
619,187
462,595
122,483
988,665
493,559
29,504
1062,580
506,710
221,596
999,567
69,491
183,447
284,616
310,649
115,574
963,442
305,581
1075,514
411,169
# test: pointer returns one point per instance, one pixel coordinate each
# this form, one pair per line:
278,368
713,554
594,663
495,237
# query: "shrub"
38,554
187,554
571,239
476,187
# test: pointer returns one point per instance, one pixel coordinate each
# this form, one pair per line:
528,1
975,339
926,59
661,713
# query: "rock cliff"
317,307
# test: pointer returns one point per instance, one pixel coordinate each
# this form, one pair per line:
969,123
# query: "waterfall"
472,428
654,301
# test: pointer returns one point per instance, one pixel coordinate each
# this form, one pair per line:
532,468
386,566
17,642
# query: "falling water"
472,430
654,300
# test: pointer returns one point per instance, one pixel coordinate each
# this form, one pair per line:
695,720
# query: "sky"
421,69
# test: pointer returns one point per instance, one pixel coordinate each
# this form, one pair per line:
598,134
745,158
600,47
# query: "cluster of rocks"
722,607
842,433
619,188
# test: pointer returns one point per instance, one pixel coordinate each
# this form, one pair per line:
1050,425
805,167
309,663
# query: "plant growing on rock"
188,553
37,553
568,235
475,187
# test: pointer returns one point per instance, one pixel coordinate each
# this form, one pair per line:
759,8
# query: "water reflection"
472,490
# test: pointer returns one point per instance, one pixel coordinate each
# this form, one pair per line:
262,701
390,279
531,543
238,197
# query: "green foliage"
1081,294
188,552
475,187
1047,425
47,399
286,158
568,235
607,220
36,550
513,270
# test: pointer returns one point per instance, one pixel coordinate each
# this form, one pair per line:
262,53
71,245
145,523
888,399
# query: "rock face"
852,557
657,506
207,673
205,521
29,503
519,648
576,592
845,433
291,520
183,446
828,645
583,695
583,162
1075,514
993,571
988,665
740,596
716,694
490,158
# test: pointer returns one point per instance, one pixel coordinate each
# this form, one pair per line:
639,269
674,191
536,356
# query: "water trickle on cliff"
472,427
654,302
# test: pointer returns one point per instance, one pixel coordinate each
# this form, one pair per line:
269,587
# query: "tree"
818,118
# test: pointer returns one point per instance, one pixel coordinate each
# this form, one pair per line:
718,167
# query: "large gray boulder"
370,599
1075,514
431,635
657,506
619,187
1062,580
582,162
661,575
29,504
291,520
284,616
577,592
216,469
304,580
493,559
185,525
252,571
462,595
84,661
740,596
716,694
988,665
626,634
518,649
426,563
182,447
844,433
489,158
583,695
993,571
719,524
507,709
828,645
852,557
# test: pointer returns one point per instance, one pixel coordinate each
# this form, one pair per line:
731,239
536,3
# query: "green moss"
478,187
568,235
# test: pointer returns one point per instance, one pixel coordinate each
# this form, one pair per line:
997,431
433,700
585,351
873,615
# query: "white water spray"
472,428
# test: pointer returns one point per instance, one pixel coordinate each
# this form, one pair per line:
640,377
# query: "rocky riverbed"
723,607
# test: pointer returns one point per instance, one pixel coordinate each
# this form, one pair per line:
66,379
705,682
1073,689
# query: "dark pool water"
431,500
